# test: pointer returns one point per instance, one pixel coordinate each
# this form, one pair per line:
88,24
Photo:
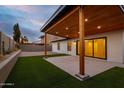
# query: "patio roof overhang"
79,21
98,19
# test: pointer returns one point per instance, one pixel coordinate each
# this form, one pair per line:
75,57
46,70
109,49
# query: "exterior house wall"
8,45
73,47
53,38
63,47
50,38
115,45
5,39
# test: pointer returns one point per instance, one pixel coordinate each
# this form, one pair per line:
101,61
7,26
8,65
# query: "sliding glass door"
95,47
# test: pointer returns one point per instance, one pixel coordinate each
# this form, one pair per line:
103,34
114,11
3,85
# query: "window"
58,46
69,45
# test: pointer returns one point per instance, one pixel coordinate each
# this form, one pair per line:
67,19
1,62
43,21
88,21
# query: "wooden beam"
45,45
81,40
62,19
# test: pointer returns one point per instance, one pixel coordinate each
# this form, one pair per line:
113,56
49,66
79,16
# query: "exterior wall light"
74,43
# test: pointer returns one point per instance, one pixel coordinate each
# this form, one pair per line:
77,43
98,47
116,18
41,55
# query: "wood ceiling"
108,18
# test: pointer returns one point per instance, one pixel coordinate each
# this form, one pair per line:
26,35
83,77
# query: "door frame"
93,47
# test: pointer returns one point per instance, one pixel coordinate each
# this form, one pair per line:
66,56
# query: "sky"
29,17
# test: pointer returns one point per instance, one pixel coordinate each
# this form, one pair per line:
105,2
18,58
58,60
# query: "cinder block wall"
35,48
5,70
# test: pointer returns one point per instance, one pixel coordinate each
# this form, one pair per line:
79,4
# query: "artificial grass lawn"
36,72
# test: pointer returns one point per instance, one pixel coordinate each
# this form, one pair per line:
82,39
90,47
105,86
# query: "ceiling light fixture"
98,27
66,28
56,32
66,35
86,20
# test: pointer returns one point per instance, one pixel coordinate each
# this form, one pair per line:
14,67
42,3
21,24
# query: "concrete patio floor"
70,64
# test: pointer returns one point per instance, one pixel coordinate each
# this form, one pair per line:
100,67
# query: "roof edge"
60,40
53,16
59,10
122,7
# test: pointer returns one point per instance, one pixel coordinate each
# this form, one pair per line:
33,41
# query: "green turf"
36,72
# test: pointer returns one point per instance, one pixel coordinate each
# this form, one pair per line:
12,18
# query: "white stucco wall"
5,39
9,44
63,47
115,45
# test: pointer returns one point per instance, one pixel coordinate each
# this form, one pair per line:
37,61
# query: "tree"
16,33
24,40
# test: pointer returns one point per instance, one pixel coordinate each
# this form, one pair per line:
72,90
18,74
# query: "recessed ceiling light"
86,20
66,35
66,28
56,32
98,27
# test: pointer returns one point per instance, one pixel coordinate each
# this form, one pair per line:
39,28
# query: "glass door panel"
99,48
88,47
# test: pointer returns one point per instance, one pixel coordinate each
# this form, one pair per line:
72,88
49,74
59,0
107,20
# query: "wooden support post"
81,40
45,46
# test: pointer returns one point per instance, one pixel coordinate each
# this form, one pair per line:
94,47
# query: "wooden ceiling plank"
112,20
64,18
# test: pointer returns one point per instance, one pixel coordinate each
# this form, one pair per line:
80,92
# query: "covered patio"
80,21
70,64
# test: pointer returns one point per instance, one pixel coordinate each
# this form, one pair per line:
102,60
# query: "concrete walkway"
70,64
24,54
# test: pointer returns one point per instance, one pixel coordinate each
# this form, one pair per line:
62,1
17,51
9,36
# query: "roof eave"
52,17
59,10
122,7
